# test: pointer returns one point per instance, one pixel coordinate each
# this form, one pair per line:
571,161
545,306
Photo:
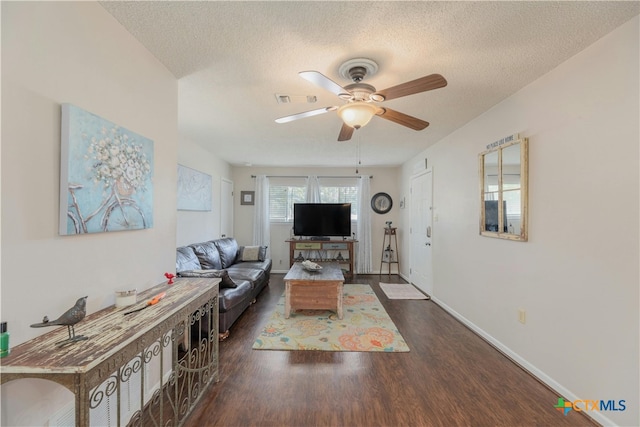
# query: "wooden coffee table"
320,290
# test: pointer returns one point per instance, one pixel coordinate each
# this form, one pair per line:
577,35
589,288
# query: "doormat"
401,291
365,327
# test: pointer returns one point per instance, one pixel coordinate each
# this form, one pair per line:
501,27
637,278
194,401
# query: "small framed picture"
247,197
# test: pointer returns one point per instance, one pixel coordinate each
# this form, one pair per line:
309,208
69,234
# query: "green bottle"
4,340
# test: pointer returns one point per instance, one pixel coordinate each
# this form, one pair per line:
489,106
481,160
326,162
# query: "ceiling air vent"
295,99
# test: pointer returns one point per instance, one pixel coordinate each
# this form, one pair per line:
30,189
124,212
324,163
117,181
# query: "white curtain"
363,258
261,225
313,189
313,196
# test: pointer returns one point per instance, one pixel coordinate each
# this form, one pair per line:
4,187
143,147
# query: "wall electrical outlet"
522,316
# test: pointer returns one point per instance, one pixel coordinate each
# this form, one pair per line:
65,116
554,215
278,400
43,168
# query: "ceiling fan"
362,98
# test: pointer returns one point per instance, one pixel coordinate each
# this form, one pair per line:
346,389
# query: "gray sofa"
244,271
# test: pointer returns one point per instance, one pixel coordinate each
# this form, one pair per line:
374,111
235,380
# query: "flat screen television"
322,220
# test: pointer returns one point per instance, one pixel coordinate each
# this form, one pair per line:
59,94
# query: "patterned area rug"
401,291
365,326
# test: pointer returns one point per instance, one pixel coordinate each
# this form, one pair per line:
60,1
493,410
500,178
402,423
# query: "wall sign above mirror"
503,176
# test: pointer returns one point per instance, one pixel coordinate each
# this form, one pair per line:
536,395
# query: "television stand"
342,251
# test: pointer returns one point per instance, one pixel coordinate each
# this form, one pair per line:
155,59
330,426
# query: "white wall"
56,52
577,277
384,179
194,227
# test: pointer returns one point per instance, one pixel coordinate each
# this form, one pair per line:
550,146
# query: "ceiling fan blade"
403,119
324,82
423,84
345,133
311,113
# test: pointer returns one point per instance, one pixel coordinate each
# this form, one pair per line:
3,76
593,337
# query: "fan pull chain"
358,161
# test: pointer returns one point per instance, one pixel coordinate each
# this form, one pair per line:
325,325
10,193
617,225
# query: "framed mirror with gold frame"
503,173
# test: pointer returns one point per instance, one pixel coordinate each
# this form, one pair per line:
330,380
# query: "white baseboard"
529,367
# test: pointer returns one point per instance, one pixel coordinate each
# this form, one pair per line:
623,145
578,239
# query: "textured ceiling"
231,58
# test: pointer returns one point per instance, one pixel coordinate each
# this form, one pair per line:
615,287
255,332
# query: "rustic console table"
182,327
338,246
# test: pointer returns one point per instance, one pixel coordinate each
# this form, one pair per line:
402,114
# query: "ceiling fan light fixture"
357,114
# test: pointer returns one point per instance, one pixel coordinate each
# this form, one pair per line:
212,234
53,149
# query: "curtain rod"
307,176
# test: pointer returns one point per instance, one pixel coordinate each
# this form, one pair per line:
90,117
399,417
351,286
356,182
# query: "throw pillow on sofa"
226,282
249,253
253,253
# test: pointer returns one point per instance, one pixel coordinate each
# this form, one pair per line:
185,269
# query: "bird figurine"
170,277
68,319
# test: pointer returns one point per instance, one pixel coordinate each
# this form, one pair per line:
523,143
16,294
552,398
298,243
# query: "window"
281,200
283,196
341,194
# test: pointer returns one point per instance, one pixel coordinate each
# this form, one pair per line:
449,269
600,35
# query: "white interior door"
421,231
226,208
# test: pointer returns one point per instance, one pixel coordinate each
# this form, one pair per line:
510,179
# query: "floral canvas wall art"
106,175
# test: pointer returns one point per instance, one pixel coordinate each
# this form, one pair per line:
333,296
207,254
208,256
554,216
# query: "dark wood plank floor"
451,377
